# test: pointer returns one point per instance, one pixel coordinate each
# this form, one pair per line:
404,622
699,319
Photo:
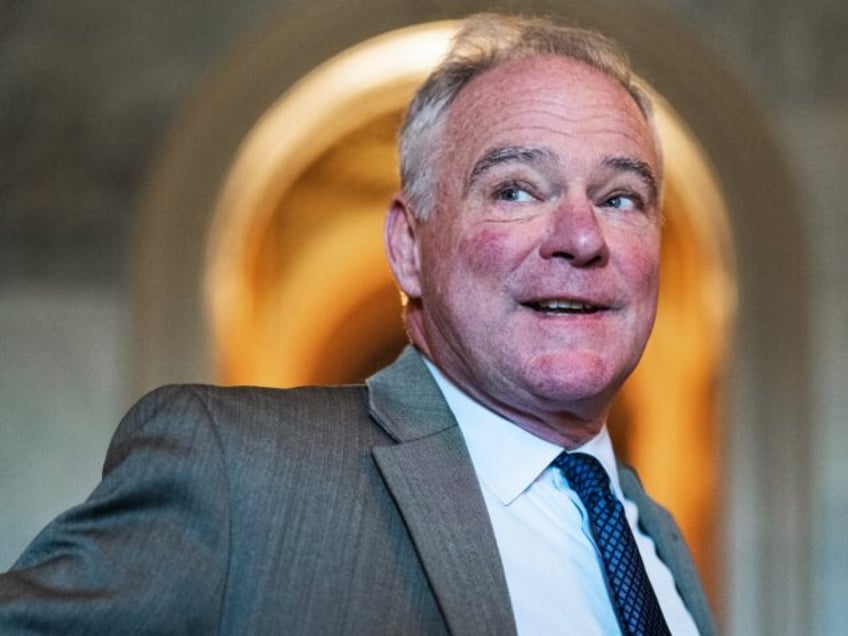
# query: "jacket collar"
406,401
671,548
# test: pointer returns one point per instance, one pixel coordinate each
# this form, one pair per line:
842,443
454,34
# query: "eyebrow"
507,154
640,168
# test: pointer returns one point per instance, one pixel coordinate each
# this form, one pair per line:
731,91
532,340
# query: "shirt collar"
507,458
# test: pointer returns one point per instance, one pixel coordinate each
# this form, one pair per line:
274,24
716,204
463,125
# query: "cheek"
489,250
645,267
639,255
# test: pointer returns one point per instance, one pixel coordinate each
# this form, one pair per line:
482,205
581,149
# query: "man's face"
534,283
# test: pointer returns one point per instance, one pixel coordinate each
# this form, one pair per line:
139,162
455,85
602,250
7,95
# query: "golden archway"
298,289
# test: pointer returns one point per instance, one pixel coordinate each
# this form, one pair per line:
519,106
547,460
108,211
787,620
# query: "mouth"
560,306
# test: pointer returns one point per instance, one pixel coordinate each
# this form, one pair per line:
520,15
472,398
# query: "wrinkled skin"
533,285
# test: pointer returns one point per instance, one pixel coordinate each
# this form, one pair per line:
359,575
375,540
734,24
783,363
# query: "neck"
560,427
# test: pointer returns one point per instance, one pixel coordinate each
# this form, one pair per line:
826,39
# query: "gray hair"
487,40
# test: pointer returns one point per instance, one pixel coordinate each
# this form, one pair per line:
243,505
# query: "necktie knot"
584,473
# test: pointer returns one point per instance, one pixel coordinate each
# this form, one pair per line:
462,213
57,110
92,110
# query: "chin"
570,379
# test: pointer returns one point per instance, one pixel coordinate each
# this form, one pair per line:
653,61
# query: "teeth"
564,305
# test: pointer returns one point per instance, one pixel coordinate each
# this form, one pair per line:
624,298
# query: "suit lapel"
431,478
671,548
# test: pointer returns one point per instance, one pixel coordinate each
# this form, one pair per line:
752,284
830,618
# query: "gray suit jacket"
351,510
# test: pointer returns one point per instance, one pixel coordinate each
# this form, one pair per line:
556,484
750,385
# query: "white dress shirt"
552,566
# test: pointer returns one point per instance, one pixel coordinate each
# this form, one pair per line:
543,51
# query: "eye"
624,202
514,193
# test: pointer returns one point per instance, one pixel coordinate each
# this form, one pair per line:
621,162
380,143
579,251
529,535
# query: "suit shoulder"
234,413
306,402
242,400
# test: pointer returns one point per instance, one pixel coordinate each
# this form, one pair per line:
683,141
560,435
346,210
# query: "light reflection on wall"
299,292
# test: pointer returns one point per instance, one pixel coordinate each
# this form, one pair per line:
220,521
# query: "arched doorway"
299,292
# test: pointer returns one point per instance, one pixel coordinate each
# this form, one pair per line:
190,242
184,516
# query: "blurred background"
178,204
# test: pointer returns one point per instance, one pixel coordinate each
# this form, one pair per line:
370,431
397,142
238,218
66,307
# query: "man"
436,499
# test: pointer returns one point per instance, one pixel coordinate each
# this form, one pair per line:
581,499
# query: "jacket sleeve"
147,552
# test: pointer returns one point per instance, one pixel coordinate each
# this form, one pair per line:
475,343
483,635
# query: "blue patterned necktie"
633,597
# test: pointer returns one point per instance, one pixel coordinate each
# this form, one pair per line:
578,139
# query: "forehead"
551,102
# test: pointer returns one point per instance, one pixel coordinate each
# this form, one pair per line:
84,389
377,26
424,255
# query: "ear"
401,243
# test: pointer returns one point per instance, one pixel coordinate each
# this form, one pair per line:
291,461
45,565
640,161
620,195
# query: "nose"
574,234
